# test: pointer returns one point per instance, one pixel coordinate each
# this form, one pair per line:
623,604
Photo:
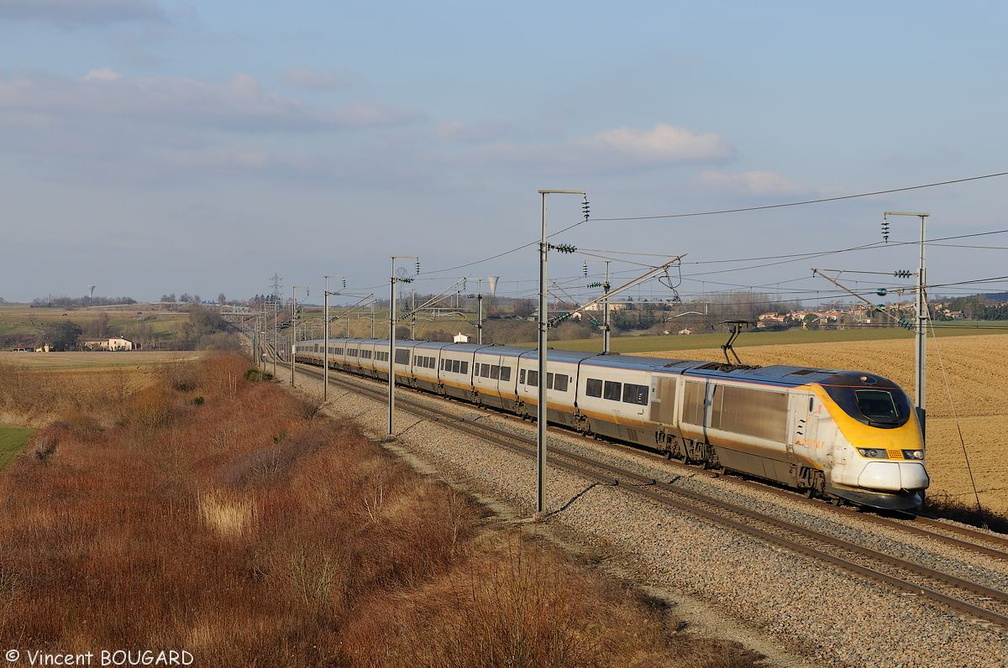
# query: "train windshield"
879,407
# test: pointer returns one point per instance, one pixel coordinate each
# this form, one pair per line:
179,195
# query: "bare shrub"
45,447
150,408
222,372
182,376
519,604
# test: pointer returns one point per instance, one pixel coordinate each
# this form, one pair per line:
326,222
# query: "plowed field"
967,390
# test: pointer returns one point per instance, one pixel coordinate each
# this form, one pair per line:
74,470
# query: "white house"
114,343
118,343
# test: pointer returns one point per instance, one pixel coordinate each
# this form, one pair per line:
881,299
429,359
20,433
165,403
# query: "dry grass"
248,532
973,401
70,361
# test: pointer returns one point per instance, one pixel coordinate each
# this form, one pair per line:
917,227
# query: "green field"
12,439
22,320
643,344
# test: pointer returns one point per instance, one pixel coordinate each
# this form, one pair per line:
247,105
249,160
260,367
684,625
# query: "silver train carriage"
836,434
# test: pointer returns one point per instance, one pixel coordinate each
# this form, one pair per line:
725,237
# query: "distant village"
858,315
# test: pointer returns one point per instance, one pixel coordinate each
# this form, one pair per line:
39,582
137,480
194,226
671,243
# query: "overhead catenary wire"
821,200
763,207
765,261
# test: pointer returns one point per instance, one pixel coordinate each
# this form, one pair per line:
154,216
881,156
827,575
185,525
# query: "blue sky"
152,147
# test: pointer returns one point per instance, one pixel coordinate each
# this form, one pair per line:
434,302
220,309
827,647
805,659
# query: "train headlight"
873,453
913,454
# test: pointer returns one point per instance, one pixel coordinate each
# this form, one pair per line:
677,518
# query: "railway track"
982,602
955,536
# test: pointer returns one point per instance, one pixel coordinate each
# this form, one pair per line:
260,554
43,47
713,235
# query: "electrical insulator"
564,248
418,266
344,283
584,268
902,273
885,230
584,207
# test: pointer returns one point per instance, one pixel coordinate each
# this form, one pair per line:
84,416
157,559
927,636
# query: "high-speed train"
835,434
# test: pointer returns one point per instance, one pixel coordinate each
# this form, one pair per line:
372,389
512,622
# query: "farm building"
113,343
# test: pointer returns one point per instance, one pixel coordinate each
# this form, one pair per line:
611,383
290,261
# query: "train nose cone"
894,476
913,475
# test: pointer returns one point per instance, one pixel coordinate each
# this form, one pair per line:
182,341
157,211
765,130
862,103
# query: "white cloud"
306,77
620,150
241,104
663,143
472,132
220,157
754,182
102,74
82,12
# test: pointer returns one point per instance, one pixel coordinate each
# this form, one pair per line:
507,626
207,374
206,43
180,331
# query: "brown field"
38,388
973,399
93,360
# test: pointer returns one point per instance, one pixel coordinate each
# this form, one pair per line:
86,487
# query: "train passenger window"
495,371
505,373
465,367
484,370
612,390
560,382
635,394
521,376
593,387
533,378
549,381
